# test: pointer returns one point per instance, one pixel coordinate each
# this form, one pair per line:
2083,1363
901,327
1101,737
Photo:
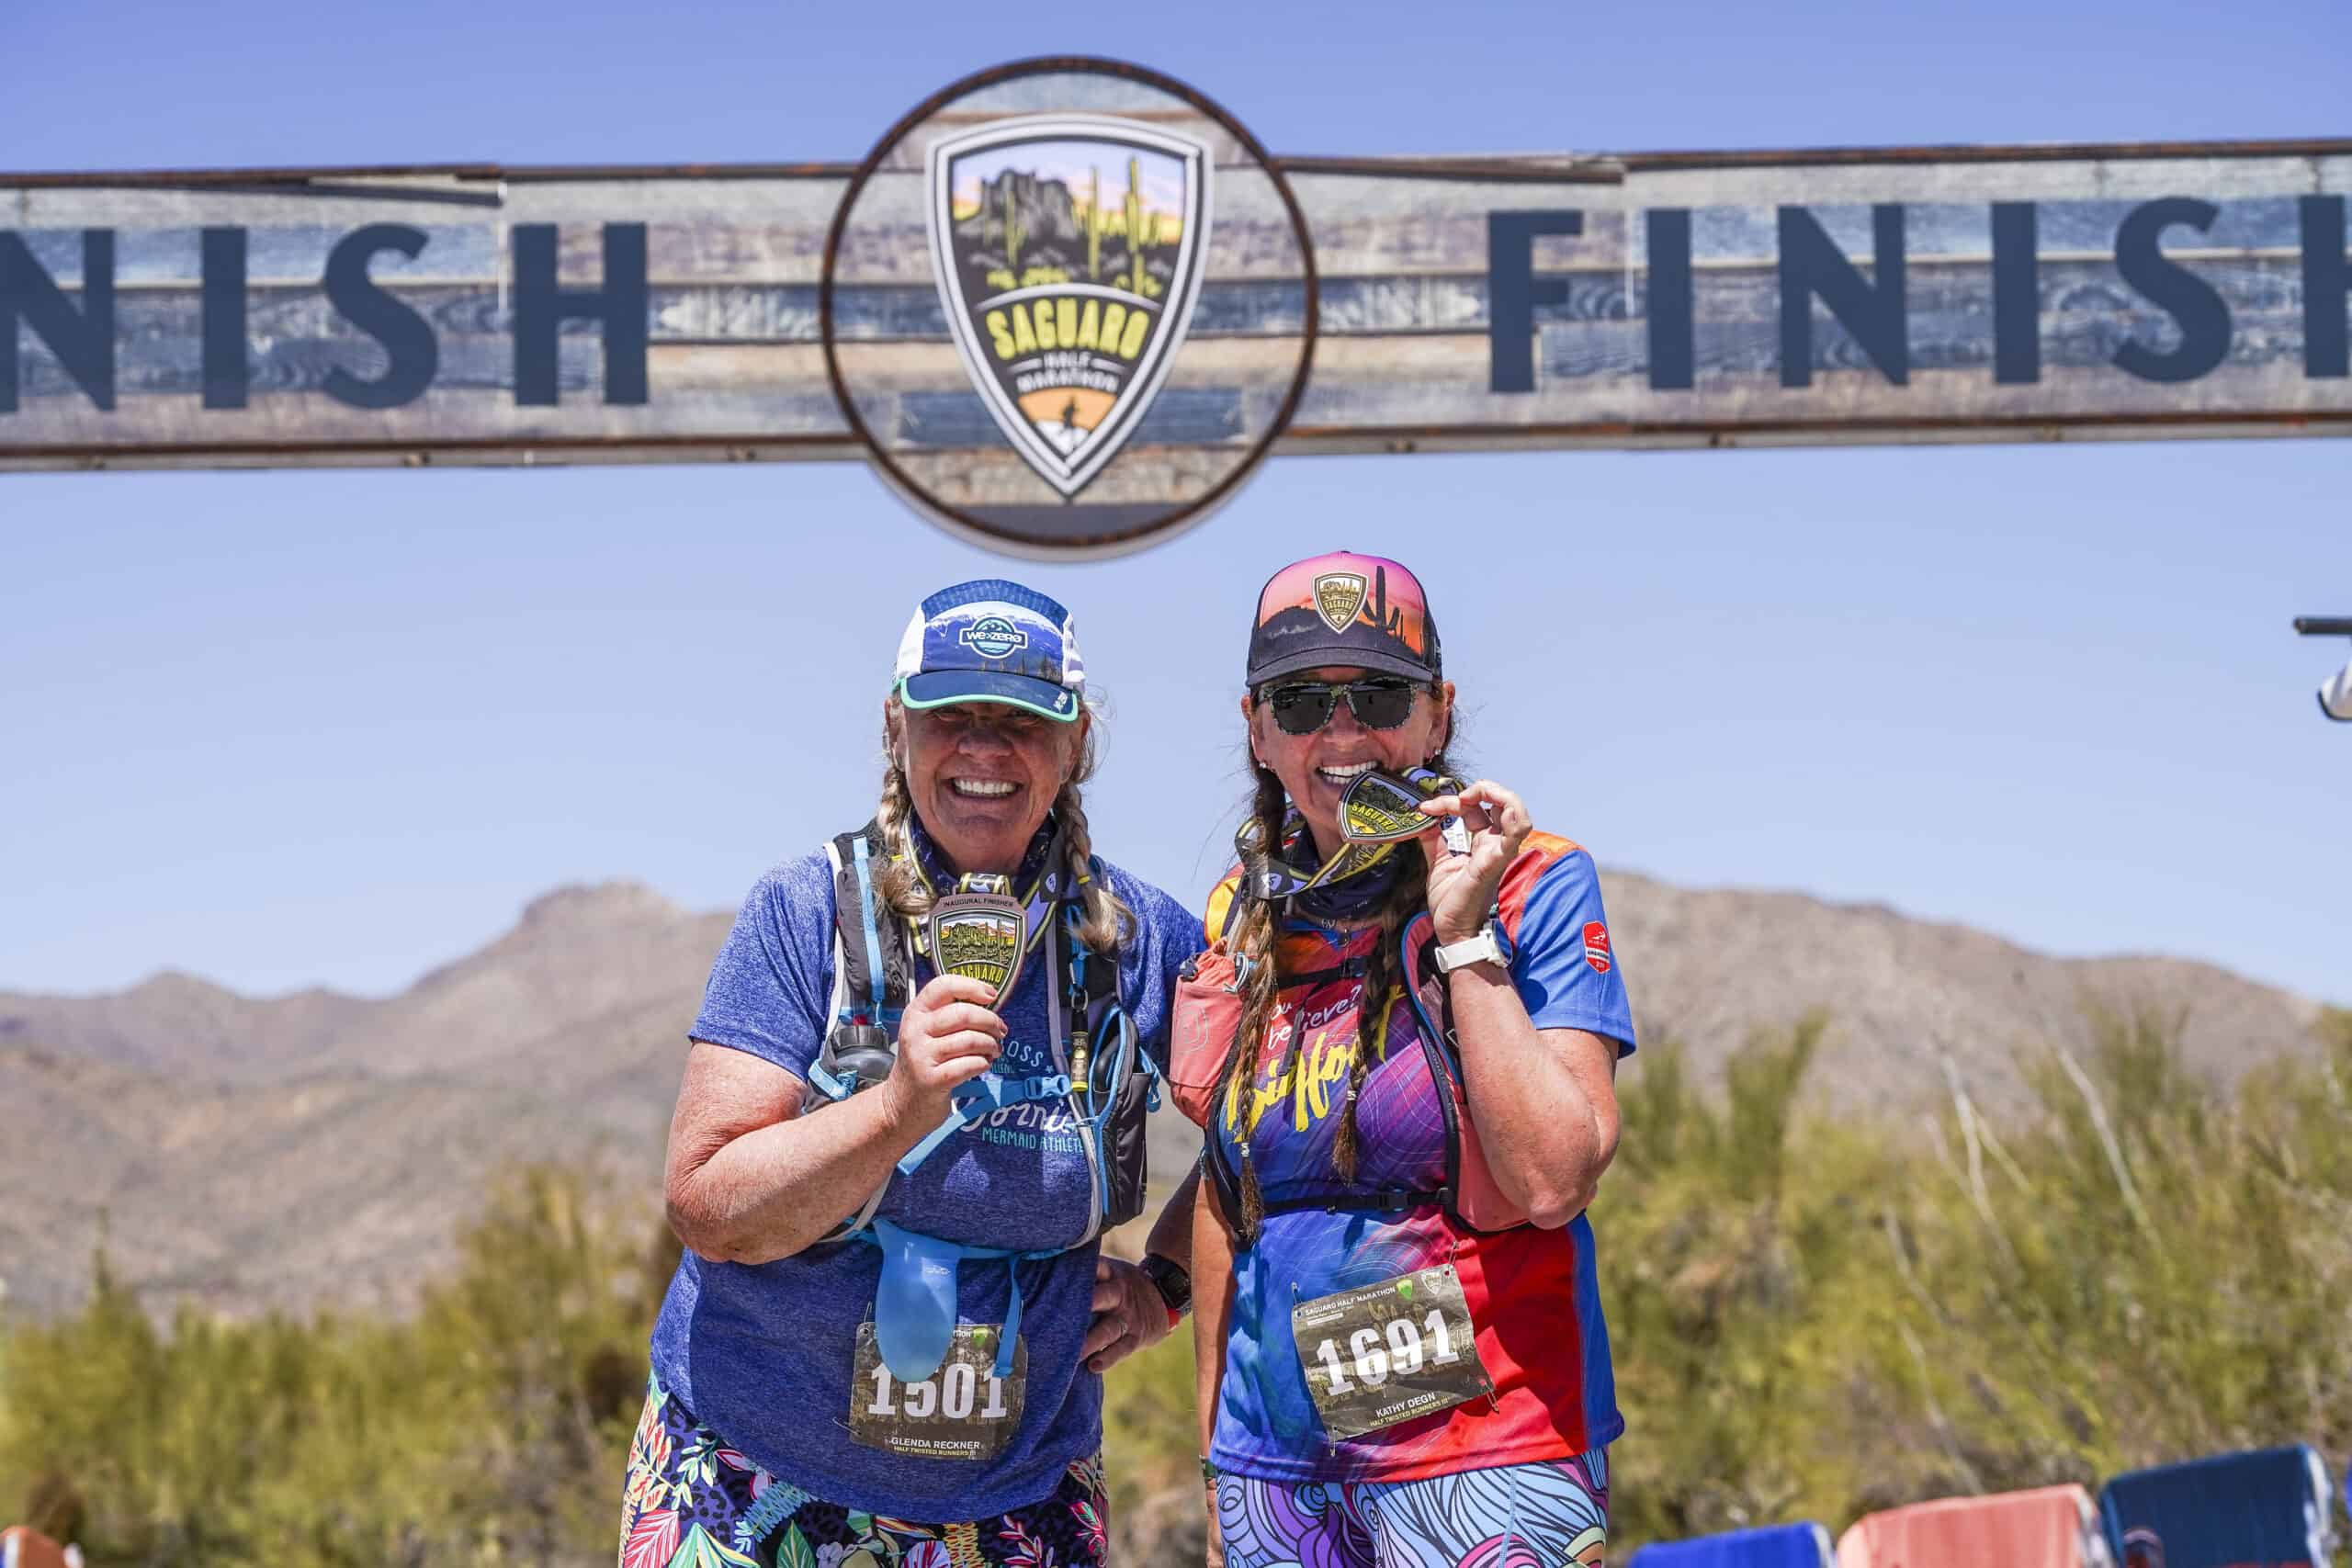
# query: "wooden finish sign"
1066,307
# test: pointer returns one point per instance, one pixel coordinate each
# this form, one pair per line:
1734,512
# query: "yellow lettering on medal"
1131,342
997,336
1089,325
1066,321
1024,337
1114,316
1046,338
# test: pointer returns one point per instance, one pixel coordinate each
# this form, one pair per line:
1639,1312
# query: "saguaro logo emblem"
1339,598
1068,251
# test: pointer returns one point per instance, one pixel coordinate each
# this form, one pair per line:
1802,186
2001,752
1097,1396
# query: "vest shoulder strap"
862,953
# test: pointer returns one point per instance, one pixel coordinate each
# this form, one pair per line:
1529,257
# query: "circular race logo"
1068,304
994,636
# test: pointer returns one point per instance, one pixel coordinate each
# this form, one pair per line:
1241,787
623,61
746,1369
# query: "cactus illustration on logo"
1067,302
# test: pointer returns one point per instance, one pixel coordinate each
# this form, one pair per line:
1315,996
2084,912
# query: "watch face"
1175,1285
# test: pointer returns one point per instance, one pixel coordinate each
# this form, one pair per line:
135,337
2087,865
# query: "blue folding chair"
1780,1546
2269,1508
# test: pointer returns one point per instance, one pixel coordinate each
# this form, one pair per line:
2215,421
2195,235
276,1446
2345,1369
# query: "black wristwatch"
1175,1286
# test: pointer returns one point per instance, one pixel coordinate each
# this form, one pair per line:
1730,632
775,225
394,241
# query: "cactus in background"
1139,231
1094,227
1015,232
1138,280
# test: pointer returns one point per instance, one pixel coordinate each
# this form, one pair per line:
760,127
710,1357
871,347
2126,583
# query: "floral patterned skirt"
693,1502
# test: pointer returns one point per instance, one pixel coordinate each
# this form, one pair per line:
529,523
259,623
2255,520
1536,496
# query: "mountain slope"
319,1149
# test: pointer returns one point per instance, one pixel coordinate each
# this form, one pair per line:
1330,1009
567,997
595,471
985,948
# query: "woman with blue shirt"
884,1336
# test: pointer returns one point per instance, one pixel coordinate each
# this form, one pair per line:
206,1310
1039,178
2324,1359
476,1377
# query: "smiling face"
982,776
1316,768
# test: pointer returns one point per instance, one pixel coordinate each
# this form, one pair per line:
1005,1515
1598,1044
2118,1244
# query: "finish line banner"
1065,307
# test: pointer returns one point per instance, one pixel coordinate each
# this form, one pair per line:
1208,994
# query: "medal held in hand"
980,931
1381,808
1377,812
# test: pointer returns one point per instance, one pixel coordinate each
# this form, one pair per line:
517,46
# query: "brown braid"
1107,920
1252,941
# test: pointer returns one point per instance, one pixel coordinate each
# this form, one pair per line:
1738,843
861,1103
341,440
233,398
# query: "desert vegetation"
1812,1316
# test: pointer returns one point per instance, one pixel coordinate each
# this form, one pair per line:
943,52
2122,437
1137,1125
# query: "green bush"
1811,1316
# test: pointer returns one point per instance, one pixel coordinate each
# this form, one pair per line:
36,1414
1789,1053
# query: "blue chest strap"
973,1101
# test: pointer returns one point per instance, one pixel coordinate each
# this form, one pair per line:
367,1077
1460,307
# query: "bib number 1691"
1405,1347
1395,1350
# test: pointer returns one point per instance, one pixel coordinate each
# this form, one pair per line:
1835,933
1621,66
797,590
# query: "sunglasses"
1301,707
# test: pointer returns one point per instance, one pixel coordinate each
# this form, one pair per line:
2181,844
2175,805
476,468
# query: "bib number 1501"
963,1411
1404,1347
951,1392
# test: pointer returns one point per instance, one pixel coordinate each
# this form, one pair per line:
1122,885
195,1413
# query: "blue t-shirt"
761,1353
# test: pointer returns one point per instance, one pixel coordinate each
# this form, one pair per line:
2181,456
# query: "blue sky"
297,728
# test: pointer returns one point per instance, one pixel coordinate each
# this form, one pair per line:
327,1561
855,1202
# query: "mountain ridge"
317,1148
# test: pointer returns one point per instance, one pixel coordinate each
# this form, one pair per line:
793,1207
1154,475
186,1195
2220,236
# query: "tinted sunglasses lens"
1383,705
1301,710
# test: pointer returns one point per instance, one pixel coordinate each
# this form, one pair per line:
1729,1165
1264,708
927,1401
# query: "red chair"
21,1547
2052,1527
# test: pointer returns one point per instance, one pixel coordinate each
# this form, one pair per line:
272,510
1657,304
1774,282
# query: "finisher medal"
980,931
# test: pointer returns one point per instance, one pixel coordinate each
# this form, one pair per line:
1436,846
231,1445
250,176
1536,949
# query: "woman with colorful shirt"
1406,1068
882,1343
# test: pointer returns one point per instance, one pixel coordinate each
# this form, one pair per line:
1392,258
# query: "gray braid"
896,879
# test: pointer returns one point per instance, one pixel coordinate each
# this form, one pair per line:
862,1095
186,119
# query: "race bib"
1382,1354
962,1411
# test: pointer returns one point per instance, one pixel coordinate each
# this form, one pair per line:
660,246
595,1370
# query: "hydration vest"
1207,1025
874,958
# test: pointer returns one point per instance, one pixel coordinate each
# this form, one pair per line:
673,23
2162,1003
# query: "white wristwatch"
1480,949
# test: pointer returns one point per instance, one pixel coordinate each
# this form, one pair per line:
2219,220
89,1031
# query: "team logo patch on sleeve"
1596,946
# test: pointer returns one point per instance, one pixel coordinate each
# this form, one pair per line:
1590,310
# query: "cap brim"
1301,658
943,688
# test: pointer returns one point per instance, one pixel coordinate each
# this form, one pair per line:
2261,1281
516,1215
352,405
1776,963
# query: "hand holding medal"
952,1034
1463,886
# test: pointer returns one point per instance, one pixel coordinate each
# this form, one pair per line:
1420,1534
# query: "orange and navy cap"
1343,609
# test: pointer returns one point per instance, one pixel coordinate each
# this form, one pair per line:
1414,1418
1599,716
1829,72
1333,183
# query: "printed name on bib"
1381,1355
963,1411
